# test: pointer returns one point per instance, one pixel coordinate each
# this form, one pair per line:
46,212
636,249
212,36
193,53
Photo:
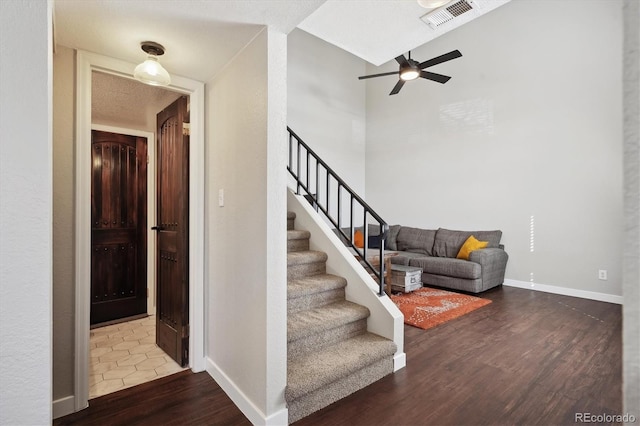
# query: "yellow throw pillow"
358,239
470,245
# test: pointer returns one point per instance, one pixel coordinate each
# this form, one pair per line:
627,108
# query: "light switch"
221,197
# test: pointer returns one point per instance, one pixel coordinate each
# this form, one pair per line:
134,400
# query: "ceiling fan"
410,70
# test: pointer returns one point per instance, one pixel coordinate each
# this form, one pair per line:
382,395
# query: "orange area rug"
427,307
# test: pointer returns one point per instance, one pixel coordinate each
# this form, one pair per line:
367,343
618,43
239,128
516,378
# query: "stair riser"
315,300
317,341
326,395
306,269
297,245
290,224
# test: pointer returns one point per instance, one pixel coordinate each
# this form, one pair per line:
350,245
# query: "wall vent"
443,15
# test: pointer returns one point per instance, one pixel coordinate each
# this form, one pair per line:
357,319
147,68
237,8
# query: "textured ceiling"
125,102
200,36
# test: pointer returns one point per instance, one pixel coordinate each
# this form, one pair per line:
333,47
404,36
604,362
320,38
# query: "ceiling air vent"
443,15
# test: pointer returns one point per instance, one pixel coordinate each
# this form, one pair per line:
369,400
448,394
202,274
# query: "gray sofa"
435,252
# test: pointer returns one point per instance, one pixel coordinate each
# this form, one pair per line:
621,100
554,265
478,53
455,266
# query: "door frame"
151,203
87,62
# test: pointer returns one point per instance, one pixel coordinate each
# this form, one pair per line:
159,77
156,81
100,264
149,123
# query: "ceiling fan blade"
434,77
440,59
397,87
402,60
378,75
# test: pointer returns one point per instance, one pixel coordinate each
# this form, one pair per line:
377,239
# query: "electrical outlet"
602,274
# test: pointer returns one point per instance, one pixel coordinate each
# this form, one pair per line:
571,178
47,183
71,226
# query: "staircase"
330,353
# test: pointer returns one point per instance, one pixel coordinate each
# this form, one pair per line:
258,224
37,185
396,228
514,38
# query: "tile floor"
125,355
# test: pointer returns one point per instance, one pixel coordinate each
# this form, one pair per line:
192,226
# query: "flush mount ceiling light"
432,4
150,71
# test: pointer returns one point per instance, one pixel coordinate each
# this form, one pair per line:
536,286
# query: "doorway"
127,347
118,227
86,64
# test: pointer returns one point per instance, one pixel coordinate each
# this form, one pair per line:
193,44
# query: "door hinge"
186,129
185,331
147,159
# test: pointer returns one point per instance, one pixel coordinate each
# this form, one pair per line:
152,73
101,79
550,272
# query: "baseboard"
399,361
253,413
63,406
565,291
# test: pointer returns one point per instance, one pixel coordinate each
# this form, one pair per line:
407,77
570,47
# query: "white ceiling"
379,30
202,36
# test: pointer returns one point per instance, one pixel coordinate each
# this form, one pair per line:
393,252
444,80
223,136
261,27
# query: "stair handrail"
378,271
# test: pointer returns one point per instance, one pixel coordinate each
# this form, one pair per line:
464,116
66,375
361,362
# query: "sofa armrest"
493,262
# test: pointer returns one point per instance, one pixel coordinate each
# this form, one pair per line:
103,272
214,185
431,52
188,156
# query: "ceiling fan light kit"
409,73
150,71
411,70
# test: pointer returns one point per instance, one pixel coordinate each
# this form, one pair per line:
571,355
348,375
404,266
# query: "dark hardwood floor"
528,358
184,398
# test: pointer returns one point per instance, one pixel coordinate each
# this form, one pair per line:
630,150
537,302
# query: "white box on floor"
405,278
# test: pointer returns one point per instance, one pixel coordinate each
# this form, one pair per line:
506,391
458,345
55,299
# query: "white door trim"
86,63
151,205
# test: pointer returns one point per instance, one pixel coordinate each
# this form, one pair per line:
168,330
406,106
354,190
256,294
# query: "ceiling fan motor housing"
410,71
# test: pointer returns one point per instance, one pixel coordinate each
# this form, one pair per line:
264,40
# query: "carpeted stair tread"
314,370
298,234
314,291
291,215
297,240
314,321
305,257
314,284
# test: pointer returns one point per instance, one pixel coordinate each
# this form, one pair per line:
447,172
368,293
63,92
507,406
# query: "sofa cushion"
455,268
470,245
403,257
392,237
447,243
417,240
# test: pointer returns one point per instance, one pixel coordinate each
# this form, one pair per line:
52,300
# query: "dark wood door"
119,226
172,314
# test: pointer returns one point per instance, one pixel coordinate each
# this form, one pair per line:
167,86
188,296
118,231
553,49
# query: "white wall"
631,308
529,125
63,221
246,239
326,104
25,212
